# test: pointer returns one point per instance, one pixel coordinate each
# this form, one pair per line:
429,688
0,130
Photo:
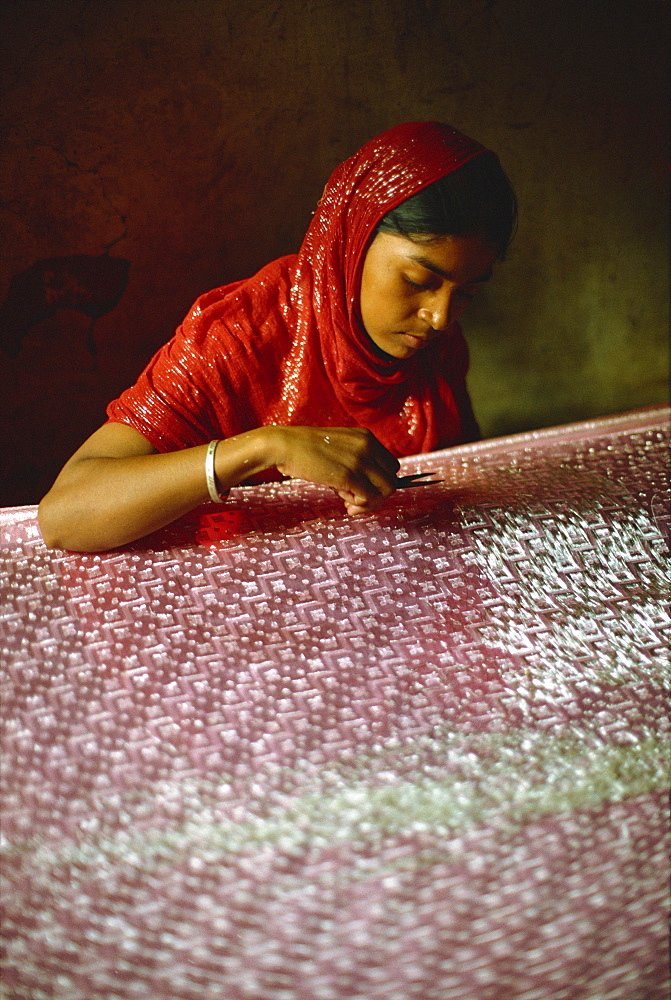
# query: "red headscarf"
287,345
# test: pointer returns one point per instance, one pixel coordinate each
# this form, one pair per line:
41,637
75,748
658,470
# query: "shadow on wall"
49,400
89,285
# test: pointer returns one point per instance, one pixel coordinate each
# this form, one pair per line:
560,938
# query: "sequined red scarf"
287,347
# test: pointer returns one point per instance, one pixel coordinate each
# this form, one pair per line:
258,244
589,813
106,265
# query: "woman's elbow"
50,522
62,527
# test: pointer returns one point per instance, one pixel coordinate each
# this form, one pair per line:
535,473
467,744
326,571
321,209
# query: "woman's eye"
420,287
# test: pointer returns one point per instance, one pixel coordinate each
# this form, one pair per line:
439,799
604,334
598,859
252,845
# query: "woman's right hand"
348,459
117,488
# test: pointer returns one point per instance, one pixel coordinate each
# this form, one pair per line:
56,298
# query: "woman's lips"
416,341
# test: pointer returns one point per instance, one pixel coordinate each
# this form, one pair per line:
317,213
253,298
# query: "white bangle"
215,495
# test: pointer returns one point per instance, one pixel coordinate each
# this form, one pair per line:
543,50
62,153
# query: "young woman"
326,365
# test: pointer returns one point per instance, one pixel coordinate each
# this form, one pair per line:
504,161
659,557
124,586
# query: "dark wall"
154,149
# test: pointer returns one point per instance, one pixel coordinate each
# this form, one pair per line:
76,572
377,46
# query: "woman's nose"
437,312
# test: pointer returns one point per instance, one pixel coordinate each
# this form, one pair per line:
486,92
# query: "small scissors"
416,479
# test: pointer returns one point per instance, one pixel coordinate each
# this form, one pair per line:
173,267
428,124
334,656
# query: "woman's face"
412,291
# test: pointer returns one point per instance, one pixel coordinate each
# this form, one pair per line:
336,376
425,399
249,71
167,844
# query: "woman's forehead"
439,253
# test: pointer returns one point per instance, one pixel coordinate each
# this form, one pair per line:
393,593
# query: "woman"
326,366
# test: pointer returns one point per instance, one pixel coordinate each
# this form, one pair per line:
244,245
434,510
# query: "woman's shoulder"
241,305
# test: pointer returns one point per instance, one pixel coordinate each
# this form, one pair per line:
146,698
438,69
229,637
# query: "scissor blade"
416,479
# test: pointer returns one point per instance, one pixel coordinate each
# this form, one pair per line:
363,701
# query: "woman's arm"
117,487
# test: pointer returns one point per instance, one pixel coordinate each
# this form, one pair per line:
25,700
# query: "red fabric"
287,347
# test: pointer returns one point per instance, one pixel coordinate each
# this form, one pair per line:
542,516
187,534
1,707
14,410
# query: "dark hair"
476,199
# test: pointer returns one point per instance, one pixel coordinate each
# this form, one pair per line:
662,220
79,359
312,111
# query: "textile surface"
273,752
287,345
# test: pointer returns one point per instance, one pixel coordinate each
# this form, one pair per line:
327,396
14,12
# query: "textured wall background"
154,149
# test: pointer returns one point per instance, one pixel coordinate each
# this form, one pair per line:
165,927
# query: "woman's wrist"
246,454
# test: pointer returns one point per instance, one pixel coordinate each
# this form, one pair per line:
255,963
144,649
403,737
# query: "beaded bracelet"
215,495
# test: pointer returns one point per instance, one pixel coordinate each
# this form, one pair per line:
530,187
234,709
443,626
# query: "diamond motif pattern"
272,752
